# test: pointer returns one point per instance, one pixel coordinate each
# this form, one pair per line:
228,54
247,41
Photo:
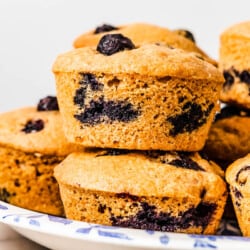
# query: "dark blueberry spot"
237,193
186,162
113,43
4,195
203,193
79,97
236,72
148,218
102,208
245,76
186,33
17,183
204,212
104,28
164,199
182,159
114,82
164,79
229,79
48,103
87,81
237,203
127,196
33,126
50,159
90,80
190,119
181,99
38,173
241,182
98,110
114,152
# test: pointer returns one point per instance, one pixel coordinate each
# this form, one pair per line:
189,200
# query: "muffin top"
121,171
141,33
238,30
35,131
148,59
238,174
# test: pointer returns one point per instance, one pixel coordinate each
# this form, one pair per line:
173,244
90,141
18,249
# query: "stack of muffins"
229,138
137,105
142,108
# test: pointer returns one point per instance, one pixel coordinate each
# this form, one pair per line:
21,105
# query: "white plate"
59,233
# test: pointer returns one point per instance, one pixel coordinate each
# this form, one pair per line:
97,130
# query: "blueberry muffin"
229,136
147,97
180,192
32,143
234,61
238,177
142,33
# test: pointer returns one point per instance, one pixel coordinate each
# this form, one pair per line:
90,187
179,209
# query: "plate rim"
14,216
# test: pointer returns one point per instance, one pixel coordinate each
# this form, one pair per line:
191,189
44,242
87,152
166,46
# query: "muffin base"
182,215
26,180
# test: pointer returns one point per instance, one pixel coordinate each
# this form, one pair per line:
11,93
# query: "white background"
33,32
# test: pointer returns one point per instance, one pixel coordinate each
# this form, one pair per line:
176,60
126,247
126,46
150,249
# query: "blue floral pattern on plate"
228,238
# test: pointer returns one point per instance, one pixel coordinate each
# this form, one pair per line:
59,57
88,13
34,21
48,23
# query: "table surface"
10,240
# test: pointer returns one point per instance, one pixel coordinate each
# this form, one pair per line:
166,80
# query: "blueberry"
113,43
125,195
100,111
237,193
48,103
148,217
4,195
101,209
87,81
245,76
90,80
79,97
33,126
186,162
186,33
229,79
191,118
104,28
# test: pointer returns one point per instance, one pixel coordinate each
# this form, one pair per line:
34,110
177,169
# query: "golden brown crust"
141,33
50,140
240,30
147,59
